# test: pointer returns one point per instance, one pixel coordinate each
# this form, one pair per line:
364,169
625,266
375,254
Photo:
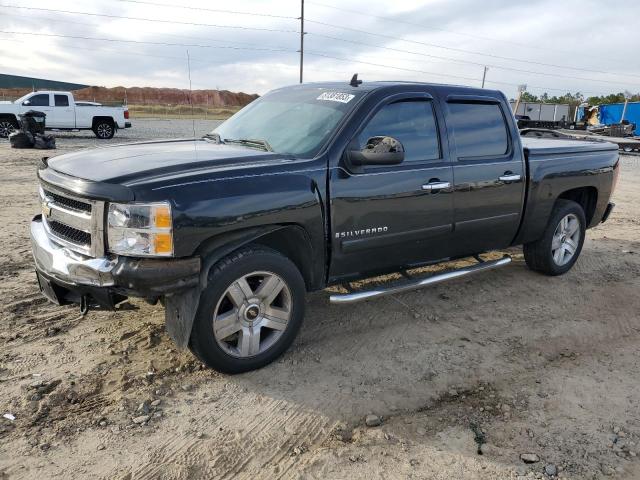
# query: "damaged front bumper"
69,277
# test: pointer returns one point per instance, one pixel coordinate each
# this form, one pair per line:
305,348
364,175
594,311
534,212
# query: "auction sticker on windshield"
336,97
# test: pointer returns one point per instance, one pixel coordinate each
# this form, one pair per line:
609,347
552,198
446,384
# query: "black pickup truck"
310,186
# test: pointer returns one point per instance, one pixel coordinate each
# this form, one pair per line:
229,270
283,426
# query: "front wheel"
250,311
7,126
561,243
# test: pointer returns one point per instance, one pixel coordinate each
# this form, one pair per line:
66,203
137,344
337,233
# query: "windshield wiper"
213,136
251,142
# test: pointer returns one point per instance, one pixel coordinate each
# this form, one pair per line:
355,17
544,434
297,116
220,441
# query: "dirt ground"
465,377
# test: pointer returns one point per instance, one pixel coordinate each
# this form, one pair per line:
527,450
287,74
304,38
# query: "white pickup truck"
63,113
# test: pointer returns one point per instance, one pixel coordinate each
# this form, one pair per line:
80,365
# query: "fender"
181,307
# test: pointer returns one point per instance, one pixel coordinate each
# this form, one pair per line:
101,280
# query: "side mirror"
26,103
378,151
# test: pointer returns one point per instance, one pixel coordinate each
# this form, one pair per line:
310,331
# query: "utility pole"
484,75
521,90
301,37
627,97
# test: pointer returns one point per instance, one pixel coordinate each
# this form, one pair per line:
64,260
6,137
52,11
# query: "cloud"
500,33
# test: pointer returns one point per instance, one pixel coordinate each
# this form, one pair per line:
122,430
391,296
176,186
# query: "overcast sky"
586,46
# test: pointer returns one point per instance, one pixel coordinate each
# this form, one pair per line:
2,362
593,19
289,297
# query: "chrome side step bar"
399,287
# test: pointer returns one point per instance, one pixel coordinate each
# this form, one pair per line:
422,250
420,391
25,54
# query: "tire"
561,243
7,126
104,129
235,302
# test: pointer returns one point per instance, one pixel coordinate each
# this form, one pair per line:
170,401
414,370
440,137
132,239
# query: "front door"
387,217
489,175
40,102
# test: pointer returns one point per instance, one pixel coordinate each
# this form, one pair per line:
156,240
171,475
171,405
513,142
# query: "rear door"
389,216
489,173
63,111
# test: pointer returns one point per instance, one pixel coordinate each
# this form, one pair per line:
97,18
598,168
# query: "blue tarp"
612,113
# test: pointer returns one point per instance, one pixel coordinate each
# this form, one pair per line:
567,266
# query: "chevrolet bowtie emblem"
46,209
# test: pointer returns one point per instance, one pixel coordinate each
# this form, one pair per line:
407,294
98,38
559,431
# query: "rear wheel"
561,243
7,126
104,129
250,311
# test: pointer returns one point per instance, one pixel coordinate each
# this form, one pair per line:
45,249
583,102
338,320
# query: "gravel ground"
143,129
506,375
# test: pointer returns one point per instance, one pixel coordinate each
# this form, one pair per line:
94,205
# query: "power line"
337,39
317,54
145,42
474,79
434,45
215,10
470,62
118,52
153,20
91,24
469,35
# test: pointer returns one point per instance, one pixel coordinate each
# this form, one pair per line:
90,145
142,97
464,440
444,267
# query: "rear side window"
62,101
41,100
479,129
412,123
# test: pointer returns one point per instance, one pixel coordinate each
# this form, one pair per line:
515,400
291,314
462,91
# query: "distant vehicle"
306,187
64,113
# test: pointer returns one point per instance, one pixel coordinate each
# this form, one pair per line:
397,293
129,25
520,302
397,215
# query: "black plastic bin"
33,122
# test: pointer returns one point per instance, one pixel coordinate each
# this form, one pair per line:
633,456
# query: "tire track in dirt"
248,438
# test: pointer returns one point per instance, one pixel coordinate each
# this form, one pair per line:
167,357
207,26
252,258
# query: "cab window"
479,129
40,100
61,100
413,123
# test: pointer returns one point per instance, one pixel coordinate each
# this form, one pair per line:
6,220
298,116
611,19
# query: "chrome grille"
69,233
69,202
74,222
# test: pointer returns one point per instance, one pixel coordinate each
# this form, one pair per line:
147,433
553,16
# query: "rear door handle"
435,186
512,177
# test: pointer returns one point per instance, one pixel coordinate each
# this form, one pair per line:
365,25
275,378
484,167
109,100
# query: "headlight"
140,229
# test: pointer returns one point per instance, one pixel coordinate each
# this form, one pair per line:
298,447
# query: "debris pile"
31,133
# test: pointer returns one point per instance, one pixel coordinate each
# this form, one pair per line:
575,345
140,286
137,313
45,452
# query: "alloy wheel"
104,130
6,127
252,314
566,239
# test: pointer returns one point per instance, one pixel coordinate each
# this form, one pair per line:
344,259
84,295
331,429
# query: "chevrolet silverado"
307,187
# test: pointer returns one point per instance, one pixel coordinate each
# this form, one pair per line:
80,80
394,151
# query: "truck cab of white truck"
64,114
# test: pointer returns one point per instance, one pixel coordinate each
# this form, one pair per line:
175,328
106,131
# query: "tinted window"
479,129
62,101
41,100
412,123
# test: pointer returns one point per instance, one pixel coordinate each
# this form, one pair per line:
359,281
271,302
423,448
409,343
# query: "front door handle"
511,177
429,187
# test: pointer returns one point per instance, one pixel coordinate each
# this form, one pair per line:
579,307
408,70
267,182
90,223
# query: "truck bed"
534,147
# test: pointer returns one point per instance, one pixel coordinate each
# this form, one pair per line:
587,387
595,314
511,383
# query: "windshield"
295,121
23,98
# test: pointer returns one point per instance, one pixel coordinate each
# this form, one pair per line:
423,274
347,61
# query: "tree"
612,98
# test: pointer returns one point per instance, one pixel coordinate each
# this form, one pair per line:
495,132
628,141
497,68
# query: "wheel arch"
9,116
292,240
97,119
586,197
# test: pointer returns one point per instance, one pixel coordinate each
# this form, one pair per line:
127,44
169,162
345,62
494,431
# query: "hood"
125,164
